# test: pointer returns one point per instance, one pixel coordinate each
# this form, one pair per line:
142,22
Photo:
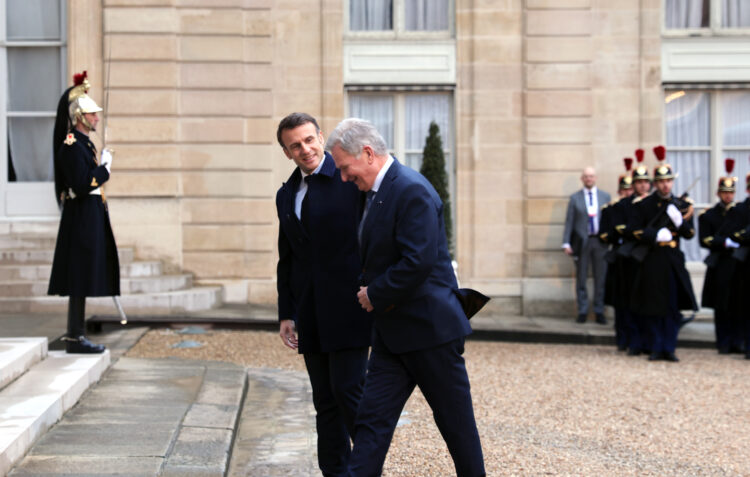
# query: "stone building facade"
538,90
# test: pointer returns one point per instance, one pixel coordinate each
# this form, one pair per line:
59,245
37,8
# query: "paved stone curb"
276,434
146,418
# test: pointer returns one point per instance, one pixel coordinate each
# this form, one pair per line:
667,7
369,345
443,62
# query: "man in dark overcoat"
714,230
612,215
85,261
662,285
740,218
317,284
408,284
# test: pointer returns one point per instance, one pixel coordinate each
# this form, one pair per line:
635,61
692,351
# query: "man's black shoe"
600,319
634,352
736,350
723,349
81,345
670,357
581,318
654,356
622,348
747,354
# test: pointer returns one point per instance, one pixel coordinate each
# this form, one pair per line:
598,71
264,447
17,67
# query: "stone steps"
42,386
24,241
177,301
39,256
23,272
19,354
153,284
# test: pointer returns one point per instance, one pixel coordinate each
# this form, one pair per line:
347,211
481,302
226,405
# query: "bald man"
580,241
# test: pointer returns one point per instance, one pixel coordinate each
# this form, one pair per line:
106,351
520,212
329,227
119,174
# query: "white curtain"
681,14
370,15
378,109
427,15
688,125
33,19
421,110
30,148
735,13
735,108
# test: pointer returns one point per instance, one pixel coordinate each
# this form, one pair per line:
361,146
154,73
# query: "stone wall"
544,88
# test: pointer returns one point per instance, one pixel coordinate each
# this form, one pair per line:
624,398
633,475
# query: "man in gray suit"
580,241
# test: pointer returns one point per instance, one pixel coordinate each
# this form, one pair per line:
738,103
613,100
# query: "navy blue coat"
318,268
85,262
407,267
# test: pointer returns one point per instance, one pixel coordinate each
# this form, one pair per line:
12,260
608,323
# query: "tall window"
399,15
404,121
703,128
706,14
33,56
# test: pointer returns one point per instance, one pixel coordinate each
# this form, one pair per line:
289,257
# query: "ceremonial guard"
741,222
662,285
637,334
613,214
719,288
85,261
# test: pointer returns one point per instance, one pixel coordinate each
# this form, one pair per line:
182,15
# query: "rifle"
639,250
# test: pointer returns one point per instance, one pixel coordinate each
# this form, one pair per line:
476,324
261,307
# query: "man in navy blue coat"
317,284
409,286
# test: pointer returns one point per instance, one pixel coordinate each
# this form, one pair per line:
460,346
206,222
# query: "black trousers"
337,379
76,316
441,375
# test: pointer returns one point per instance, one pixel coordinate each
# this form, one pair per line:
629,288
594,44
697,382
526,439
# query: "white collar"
317,169
381,174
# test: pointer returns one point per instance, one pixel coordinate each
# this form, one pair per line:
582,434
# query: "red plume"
639,155
628,163
660,152
78,78
729,165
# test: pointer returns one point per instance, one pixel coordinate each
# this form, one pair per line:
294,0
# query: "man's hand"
364,300
288,336
675,215
106,159
568,250
663,235
729,243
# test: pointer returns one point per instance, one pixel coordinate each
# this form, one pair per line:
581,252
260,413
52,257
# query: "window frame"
713,30
399,31
11,192
399,136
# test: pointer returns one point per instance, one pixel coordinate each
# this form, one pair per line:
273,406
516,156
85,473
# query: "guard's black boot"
82,345
75,341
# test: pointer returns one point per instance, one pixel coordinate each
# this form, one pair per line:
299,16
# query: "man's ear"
370,153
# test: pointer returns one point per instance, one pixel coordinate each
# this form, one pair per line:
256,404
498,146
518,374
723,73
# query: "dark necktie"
305,209
591,217
368,201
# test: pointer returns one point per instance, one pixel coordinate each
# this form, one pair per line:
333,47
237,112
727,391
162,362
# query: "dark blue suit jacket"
318,268
407,267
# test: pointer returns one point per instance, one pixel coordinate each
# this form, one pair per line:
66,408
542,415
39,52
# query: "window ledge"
400,62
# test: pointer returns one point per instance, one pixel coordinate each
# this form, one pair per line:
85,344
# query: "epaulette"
689,200
620,228
605,206
708,240
703,212
69,139
638,199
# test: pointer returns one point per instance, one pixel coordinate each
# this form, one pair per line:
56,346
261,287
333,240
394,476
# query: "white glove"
106,159
729,243
674,214
663,235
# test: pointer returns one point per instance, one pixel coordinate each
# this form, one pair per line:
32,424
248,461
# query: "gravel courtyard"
552,409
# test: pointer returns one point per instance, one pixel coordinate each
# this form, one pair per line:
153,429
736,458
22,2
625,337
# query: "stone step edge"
53,298
22,355
82,371
170,276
